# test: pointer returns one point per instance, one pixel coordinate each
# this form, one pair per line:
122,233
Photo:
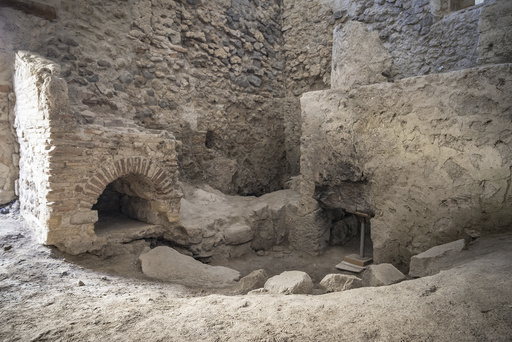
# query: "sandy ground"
41,300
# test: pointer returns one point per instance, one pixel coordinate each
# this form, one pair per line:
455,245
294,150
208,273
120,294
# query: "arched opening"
127,203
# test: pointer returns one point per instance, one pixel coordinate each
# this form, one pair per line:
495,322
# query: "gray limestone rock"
238,234
254,280
167,264
382,275
428,262
290,282
358,57
340,282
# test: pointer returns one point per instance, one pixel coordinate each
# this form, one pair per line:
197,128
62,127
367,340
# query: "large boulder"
290,282
340,282
167,264
382,275
430,261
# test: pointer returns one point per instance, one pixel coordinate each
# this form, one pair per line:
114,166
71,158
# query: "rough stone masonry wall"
209,72
65,166
430,157
423,37
8,146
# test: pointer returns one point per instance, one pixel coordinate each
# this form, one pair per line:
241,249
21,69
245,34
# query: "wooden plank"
31,7
359,214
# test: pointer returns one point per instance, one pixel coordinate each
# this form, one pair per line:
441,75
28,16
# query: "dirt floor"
46,295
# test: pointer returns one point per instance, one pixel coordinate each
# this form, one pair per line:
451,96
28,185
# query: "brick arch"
122,167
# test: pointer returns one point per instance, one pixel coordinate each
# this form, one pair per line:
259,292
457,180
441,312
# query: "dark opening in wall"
208,141
126,198
109,203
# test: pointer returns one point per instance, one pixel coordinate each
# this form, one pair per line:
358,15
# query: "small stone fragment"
103,63
81,283
254,80
382,275
340,282
254,280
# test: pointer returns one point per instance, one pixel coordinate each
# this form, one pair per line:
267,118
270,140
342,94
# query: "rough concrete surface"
41,299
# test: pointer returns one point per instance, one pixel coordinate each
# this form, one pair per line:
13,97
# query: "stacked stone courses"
65,167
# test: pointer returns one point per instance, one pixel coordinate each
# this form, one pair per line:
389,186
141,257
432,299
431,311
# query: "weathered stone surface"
215,219
308,232
238,234
382,275
289,282
254,280
495,35
66,168
340,282
401,145
166,264
358,57
424,264
156,64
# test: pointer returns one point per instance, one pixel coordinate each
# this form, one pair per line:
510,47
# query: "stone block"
408,155
290,282
84,217
340,282
238,234
254,280
167,264
382,275
427,263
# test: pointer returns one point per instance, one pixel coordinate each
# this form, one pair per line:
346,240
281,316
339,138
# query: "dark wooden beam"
31,7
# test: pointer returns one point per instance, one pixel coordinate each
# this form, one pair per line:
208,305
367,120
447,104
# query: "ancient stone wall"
423,36
209,72
223,76
8,146
65,166
429,156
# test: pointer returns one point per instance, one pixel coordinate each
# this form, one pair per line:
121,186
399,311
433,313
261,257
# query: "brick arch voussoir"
122,167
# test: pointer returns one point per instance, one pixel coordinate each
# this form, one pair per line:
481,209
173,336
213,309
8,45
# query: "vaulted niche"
128,197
